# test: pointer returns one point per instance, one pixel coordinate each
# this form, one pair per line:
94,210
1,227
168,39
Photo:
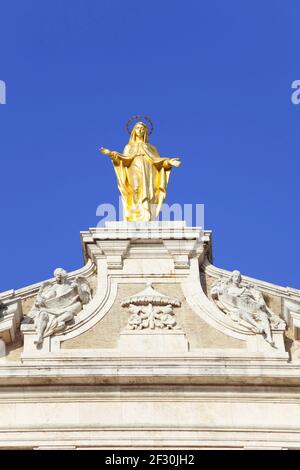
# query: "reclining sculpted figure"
57,303
245,304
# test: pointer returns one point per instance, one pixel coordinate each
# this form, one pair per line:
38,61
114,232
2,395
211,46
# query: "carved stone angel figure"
245,304
57,303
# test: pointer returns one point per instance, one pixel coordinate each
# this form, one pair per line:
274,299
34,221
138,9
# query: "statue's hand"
169,162
105,151
175,162
113,155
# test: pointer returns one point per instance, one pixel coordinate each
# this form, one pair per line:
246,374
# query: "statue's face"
140,130
60,275
236,277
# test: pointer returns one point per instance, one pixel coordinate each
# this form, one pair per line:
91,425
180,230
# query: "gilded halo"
139,117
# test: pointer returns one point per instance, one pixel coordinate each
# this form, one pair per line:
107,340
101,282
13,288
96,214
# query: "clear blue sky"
214,76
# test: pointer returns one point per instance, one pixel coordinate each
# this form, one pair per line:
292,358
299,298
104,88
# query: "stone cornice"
179,370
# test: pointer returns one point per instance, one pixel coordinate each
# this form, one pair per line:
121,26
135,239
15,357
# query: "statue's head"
60,275
236,277
139,132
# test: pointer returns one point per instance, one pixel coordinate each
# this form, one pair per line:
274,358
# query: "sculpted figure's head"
139,132
236,277
60,275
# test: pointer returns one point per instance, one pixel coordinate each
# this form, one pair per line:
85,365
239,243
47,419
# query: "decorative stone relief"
246,305
57,303
151,309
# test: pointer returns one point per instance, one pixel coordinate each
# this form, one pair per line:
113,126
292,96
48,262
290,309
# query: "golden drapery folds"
142,175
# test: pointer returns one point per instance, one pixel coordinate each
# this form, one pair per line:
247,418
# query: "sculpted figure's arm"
116,156
113,155
162,162
166,163
169,162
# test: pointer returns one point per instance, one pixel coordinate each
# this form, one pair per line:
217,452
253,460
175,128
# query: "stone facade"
162,350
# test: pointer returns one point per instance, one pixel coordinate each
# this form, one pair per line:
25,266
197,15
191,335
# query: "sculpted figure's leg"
62,320
266,327
41,325
249,319
66,317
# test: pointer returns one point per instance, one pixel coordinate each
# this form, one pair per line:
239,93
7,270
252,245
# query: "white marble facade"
150,346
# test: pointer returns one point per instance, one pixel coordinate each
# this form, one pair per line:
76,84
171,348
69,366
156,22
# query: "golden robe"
142,180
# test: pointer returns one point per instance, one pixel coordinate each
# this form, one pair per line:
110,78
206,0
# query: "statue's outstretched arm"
116,156
112,154
167,163
174,161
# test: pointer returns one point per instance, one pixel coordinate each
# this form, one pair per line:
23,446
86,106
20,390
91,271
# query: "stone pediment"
161,268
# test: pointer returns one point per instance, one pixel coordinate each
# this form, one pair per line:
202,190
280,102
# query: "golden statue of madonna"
142,175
